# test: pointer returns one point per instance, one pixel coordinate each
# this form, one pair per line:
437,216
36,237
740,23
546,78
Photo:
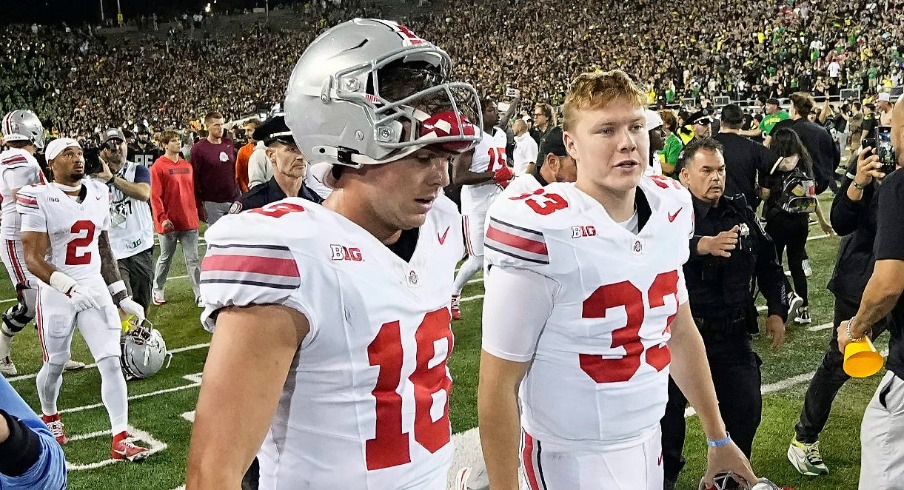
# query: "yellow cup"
861,359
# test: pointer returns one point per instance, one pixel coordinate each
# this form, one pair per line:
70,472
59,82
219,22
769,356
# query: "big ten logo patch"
583,231
340,252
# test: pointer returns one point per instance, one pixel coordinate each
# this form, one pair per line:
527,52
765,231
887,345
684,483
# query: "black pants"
736,375
829,377
791,230
137,272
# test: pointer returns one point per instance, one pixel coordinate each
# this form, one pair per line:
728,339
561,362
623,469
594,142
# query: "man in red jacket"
175,214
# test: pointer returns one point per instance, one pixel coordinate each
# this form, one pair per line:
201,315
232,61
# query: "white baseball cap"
57,146
654,120
884,96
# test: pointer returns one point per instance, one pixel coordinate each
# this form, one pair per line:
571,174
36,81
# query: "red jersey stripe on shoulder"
506,236
271,266
14,160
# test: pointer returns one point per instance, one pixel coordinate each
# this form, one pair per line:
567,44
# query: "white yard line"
154,446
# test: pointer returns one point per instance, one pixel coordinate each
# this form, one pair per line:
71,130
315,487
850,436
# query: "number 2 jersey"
599,367
365,404
73,227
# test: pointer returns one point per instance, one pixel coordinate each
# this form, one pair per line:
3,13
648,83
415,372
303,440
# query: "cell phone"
885,150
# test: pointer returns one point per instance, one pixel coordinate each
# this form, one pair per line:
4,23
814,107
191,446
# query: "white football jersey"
598,378
366,402
18,168
73,227
489,156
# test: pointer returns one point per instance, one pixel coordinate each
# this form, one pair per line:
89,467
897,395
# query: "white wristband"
61,282
116,288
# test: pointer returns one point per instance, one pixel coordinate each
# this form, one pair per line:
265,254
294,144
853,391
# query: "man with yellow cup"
882,430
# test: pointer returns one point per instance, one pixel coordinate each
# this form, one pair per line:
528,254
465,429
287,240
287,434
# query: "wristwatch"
110,182
858,186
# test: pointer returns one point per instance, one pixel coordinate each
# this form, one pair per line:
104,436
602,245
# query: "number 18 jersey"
365,404
598,376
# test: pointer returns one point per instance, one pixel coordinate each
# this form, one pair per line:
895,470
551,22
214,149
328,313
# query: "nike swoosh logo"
442,238
673,216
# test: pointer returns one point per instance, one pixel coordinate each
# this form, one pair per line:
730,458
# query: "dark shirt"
890,246
855,222
214,168
263,194
822,148
540,179
747,163
720,288
144,154
540,136
869,124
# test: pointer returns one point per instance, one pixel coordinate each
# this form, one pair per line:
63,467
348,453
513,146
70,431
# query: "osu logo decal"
340,252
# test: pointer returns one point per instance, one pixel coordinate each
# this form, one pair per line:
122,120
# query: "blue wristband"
720,442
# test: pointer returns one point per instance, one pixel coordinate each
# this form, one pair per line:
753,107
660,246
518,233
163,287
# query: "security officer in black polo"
729,250
289,168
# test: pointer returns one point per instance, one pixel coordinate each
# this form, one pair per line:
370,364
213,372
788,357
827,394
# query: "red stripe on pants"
527,458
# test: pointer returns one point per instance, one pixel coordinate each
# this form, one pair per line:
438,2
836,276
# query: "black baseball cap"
274,129
553,144
699,117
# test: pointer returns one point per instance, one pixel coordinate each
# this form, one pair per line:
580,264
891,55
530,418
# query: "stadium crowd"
78,80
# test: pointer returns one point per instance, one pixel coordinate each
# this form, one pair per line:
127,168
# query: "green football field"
161,408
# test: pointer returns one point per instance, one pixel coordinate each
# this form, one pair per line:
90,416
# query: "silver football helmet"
23,125
370,91
722,480
143,351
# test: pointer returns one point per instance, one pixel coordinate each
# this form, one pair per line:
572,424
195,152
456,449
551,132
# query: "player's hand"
202,214
843,339
503,176
82,298
776,329
104,174
168,226
721,244
727,458
868,167
130,307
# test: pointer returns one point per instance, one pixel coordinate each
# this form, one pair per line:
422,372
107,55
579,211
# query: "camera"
880,142
92,160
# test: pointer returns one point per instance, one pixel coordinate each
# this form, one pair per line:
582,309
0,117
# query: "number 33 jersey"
366,401
598,377
73,227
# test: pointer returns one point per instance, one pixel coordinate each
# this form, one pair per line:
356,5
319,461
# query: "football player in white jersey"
24,134
595,269
64,235
482,173
343,306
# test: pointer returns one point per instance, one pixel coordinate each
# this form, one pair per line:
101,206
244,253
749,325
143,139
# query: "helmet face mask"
143,351
23,125
371,92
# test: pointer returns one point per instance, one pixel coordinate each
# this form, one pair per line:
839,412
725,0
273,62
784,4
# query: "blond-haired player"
595,268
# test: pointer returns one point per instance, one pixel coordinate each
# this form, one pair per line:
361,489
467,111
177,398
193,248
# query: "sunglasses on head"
704,121
112,145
